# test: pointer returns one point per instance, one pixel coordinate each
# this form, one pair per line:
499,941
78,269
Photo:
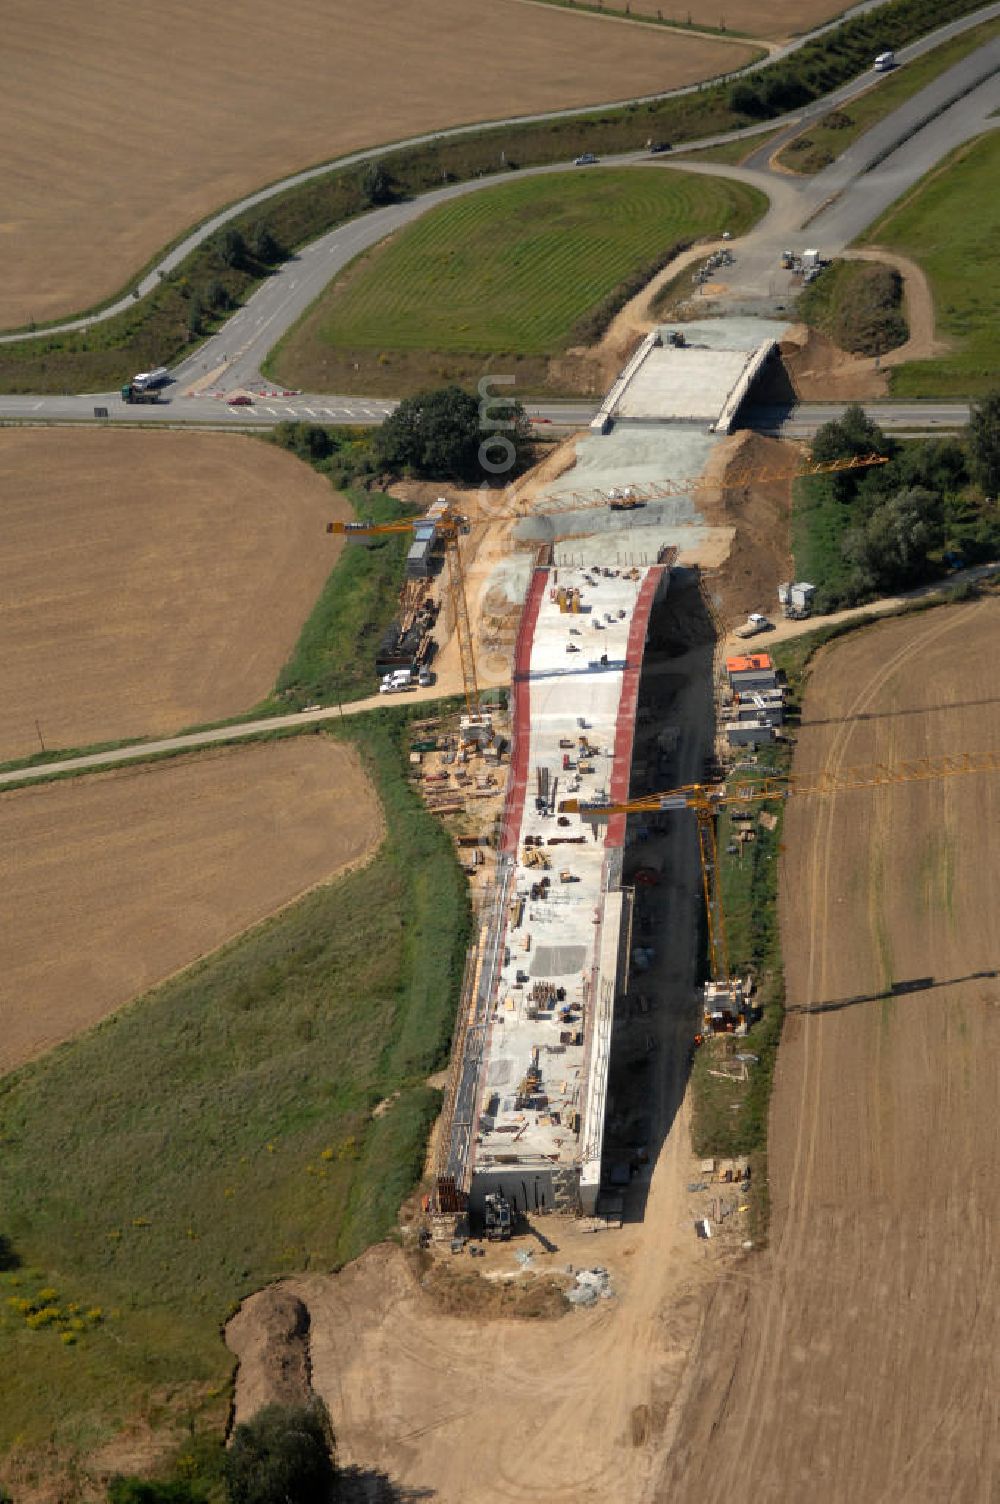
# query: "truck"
497,1218
885,62
754,623
146,379
132,393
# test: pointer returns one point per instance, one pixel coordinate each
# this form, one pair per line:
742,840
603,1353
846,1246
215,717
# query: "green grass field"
823,142
508,273
950,224
218,1133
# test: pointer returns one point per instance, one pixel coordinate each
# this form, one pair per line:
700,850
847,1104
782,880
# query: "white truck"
147,380
885,62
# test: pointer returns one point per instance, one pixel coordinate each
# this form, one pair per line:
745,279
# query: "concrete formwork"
539,1051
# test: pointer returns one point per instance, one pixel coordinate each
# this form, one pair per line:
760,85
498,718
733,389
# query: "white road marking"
310,411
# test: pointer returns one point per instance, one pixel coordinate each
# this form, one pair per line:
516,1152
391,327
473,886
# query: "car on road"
425,678
658,146
240,400
585,159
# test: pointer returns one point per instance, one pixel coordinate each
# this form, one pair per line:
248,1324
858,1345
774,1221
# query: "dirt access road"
112,883
150,581
134,122
857,1359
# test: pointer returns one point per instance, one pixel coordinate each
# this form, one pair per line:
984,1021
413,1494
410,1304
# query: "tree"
308,440
449,435
983,439
376,185
284,1455
889,550
230,247
263,245
196,315
217,296
852,434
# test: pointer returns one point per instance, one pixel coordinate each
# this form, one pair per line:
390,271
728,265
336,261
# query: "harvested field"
116,881
232,111
769,19
150,581
854,1359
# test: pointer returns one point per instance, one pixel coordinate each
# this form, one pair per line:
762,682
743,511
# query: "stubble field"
768,18
150,581
132,122
853,1360
116,881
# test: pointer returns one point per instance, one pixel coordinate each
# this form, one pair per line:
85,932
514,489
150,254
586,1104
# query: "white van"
885,62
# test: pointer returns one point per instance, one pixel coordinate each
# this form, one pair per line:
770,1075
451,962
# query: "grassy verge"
859,305
733,153
219,1133
523,270
730,1116
823,142
157,329
950,224
334,658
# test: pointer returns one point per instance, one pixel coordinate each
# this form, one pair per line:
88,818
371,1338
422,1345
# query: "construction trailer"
751,671
764,705
756,733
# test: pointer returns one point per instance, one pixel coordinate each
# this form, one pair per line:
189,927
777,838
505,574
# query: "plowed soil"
133,122
856,1360
149,581
114,882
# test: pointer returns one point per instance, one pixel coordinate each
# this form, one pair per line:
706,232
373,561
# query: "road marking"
272,410
310,411
290,410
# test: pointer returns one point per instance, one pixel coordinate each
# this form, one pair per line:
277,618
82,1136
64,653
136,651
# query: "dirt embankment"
820,372
760,514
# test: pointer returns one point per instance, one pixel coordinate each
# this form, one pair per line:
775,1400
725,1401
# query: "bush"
448,435
284,1455
126,1490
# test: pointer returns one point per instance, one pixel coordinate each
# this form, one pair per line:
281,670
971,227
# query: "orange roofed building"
751,671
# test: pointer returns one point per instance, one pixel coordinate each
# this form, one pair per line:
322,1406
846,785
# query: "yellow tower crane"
706,799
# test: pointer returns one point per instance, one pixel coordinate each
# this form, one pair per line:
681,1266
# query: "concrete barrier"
741,390
602,420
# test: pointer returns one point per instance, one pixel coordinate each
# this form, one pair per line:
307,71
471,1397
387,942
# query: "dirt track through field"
112,883
126,123
857,1360
150,581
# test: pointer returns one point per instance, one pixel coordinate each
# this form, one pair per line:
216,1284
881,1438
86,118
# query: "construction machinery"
498,1219
727,997
135,394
